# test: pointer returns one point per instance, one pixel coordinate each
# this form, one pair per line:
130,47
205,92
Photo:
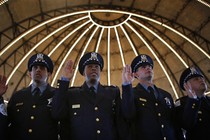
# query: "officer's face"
144,73
39,74
198,84
92,73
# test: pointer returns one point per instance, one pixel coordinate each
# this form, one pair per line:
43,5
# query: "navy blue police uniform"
31,117
152,117
193,113
87,116
3,120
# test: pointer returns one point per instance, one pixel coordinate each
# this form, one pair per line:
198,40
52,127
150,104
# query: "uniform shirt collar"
145,87
95,86
42,87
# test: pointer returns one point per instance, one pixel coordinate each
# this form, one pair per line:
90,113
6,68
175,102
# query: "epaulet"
20,91
73,87
111,86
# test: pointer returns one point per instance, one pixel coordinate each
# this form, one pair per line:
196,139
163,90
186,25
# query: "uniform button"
199,112
34,106
32,117
98,131
162,126
18,110
143,104
96,108
75,113
97,119
200,119
156,104
159,114
30,130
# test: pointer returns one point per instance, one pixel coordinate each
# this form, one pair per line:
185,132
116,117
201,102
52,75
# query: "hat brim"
190,77
39,64
88,63
142,64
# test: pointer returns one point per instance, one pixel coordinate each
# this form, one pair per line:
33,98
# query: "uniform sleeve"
60,101
121,123
188,112
128,105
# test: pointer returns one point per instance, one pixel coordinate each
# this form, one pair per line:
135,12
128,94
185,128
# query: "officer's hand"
190,92
3,86
68,71
127,75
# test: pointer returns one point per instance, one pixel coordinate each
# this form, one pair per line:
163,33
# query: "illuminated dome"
175,34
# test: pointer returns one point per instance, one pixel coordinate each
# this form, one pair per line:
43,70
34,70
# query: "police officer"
147,106
3,112
29,109
91,111
194,109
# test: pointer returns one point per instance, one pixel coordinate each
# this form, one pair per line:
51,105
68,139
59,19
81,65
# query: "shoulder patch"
177,103
3,109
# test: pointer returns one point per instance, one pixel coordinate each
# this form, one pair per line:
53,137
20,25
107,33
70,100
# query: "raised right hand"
127,75
68,70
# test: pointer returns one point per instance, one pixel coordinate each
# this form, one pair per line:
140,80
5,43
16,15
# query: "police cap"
189,73
141,60
90,58
40,59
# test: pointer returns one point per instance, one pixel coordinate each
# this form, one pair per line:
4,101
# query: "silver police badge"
3,110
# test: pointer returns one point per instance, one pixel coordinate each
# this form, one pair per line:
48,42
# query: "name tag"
76,106
19,104
142,99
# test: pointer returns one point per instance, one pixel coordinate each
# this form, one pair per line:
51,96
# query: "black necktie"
151,91
36,93
92,91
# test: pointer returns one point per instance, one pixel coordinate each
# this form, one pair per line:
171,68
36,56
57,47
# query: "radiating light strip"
40,42
203,2
108,56
83,52
163,41
193,43
120,47
115,11
175,31
67,54
156,57
207,93
72,32
109,26
129,40
99,39
36,27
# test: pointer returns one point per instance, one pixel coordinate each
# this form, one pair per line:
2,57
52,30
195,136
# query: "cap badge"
39,57
93,56
193,70
144,58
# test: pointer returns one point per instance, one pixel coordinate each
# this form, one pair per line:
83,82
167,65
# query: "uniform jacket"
30,119
152,118
84,117
194,116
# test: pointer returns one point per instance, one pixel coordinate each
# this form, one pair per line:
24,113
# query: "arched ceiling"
176,34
